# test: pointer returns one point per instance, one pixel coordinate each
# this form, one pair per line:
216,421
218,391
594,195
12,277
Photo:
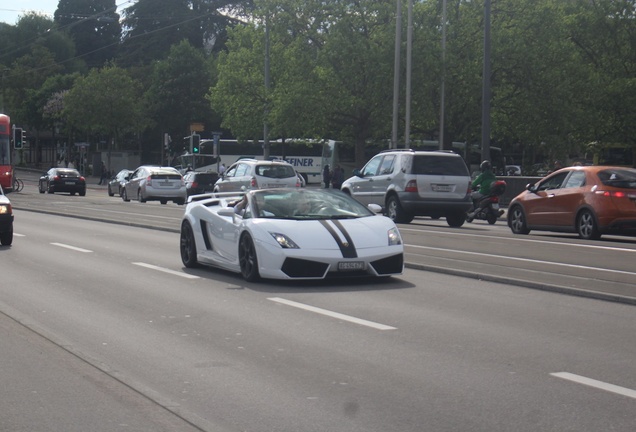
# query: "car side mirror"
531,187
357,173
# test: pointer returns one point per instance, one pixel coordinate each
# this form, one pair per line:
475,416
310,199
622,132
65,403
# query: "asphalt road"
556,262
104,329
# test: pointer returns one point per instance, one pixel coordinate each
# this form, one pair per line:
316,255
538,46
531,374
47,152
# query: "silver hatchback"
155,183
246,174
408,183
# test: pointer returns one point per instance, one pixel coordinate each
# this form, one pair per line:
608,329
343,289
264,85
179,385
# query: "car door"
567,199
363,185
133,184
540,208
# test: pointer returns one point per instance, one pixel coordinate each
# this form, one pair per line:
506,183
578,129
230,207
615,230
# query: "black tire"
586,226
82,193
456,220
110,193
187,246
163,201
6,238
140,197
40,188
247,259
517,221
395,211
124,196
179,202
491,218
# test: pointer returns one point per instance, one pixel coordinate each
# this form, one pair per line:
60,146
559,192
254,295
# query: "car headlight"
5,209
284,241
394,237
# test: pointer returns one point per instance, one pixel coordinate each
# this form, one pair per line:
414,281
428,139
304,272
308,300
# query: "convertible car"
290,234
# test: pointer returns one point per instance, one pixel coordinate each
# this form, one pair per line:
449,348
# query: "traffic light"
196,141
18,138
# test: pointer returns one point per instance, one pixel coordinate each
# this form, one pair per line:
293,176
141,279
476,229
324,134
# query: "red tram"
6,153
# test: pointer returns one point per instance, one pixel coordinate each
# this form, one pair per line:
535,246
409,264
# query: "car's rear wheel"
491,218
140,197
187,246
587,227
124,195
247,259
6,238
456,220
163,201
82,193
517,221
396,212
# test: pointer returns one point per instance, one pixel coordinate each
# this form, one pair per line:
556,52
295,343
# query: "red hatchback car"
590,201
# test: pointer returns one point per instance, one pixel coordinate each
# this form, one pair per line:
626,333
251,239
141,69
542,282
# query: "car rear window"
207,178
622,178
280,171
439,165
164,176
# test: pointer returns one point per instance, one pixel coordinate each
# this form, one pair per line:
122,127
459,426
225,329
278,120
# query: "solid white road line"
77,249
596,384
165,270
575,266
332,314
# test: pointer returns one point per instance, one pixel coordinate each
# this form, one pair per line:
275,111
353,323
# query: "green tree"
106,101
176,96
94,26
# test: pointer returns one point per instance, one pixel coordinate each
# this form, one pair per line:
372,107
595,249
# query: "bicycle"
18,184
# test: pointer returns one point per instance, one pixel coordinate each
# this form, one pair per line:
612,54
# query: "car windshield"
622,178
307,204
439,165
275,171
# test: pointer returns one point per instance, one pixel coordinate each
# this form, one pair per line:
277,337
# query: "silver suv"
246,174
408,183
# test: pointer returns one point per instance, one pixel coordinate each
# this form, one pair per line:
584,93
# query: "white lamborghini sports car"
290,234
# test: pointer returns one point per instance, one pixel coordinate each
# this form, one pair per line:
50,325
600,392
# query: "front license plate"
351,265
441,188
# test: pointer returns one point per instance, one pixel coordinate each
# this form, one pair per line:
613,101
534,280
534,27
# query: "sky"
11,9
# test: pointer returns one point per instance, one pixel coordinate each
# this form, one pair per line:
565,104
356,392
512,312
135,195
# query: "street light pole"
396,73
442,102
486,92
409,51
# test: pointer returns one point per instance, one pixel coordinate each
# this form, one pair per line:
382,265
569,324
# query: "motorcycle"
487,207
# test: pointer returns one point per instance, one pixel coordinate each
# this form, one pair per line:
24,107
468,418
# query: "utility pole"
486,93
396,73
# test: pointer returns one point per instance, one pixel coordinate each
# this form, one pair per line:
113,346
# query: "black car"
116,184
62,180
200,182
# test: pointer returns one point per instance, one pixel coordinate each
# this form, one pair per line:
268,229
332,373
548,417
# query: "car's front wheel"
587,227
187,246
247,259
110,192
396,212
517,221
6,238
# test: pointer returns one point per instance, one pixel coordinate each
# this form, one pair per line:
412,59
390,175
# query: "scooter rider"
481,186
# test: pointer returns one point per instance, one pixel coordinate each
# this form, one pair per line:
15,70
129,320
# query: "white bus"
307,156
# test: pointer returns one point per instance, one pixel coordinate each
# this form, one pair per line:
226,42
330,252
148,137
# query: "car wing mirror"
357,173
531,187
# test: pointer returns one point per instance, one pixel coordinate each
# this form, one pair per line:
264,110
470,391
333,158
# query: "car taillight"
195,184
57,177
253,182
411,186
82,178
149,180
613,194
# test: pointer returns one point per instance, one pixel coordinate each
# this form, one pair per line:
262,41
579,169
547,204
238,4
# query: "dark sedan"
62,180
116,184
200,182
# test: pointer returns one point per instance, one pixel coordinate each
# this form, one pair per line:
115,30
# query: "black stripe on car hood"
347,247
